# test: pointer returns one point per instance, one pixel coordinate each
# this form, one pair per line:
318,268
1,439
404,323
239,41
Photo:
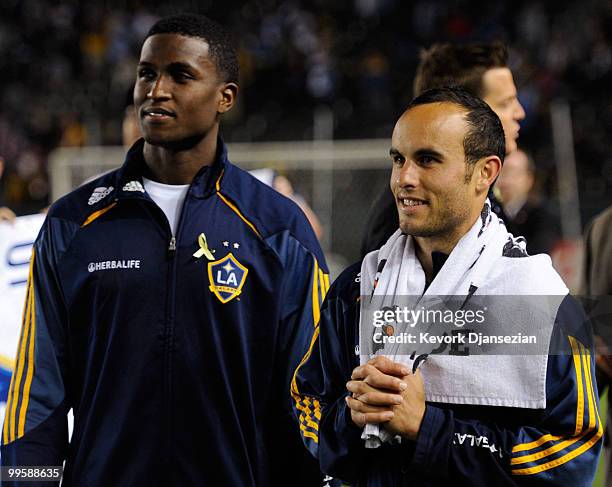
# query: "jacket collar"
129,177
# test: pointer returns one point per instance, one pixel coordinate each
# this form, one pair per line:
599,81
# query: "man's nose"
160,89
519,111
409,175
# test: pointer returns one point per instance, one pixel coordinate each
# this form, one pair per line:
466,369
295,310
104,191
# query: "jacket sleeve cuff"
340,444
431,429
351,431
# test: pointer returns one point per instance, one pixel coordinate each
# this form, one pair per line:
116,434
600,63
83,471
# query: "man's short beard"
427,232
445,226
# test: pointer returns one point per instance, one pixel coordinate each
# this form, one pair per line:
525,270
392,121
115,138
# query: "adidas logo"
99,194
134,186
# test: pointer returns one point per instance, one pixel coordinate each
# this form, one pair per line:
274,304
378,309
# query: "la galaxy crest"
227,276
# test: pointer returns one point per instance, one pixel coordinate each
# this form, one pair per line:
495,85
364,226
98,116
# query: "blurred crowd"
66,69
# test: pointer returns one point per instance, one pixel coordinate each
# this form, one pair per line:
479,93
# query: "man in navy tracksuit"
169,301
470,435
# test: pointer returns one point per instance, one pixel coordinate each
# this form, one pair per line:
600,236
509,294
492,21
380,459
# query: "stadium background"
66,69
326,79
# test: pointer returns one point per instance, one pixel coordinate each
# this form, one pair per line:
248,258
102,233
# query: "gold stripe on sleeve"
583,370
579,407
30,370
20,366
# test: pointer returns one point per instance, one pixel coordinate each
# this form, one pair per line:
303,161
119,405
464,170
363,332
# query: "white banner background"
16,241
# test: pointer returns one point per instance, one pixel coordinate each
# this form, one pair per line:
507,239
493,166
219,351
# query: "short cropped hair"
221,47
485,135
458,65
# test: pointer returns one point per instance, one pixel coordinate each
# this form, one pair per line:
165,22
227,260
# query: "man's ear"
487,173
229,92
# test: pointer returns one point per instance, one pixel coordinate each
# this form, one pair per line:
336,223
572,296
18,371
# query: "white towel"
487,260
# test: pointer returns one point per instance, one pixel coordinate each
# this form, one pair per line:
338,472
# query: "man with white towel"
372,417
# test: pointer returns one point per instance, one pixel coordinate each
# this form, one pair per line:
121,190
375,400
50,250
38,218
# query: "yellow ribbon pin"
203,250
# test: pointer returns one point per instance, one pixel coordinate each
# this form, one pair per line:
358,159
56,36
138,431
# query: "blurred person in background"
6,214
481,69
170,300
597,268
597,288
130,128
524,213
282,184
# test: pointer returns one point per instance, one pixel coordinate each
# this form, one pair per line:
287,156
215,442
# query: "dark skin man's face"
179,93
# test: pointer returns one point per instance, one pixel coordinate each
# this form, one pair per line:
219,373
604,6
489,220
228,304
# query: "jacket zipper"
168,339
172,247
167,342
169,333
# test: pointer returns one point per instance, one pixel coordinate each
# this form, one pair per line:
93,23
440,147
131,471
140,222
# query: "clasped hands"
388,393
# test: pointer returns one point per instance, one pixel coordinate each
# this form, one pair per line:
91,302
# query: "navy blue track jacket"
457,445
177,366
